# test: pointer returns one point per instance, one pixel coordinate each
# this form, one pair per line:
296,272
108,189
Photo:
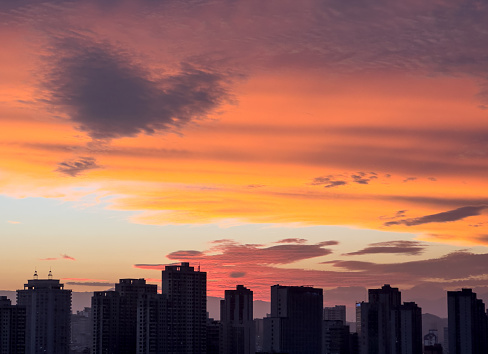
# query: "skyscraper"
376,330
236,317
295,324
335,337
12,327
48,313
115,316
387,327
151,323
467,323
336,313
406,321
186,293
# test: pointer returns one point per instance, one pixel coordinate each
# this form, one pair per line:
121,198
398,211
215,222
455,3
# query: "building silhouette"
467,323
338,312
81,330
186,315
48,315
295,324
151,323
12,327
214,334
115,316
236,317
386,326
335,337
406,321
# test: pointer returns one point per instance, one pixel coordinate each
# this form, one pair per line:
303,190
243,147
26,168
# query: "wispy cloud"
292,240
400,247
447,216
75,167
331,181
62,257
456,265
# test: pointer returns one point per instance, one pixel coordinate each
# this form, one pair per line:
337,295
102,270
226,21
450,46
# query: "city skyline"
341,146
134,315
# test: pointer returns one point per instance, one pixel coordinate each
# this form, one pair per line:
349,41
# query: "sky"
337,144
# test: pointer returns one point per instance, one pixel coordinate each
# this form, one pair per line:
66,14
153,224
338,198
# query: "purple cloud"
447,216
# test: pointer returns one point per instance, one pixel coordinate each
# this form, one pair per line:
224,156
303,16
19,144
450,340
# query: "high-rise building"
151,323
259,330
387,327
336,337
336,313
115,316
376,330
236,317
186,293
214,334
295,324
48,314
81,330
406,321
12,327
467,323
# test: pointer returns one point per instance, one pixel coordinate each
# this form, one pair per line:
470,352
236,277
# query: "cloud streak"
62,257
447,216
75,167
412,248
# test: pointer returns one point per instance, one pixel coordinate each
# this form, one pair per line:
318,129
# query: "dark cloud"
328,243
447,216
363,177
74,167
327,182
400,213
409,179
185,254
456,265
292,240
402,247
237,274
340,180
108,95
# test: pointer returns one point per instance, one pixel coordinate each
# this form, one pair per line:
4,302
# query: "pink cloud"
62,256
260,266
65,256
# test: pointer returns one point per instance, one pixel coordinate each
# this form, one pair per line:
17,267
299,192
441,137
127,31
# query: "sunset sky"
339,144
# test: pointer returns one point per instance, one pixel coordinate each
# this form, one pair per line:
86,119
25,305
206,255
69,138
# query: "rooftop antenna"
35,274
198,266
50,275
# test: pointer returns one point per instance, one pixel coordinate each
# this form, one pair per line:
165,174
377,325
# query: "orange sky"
318,121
